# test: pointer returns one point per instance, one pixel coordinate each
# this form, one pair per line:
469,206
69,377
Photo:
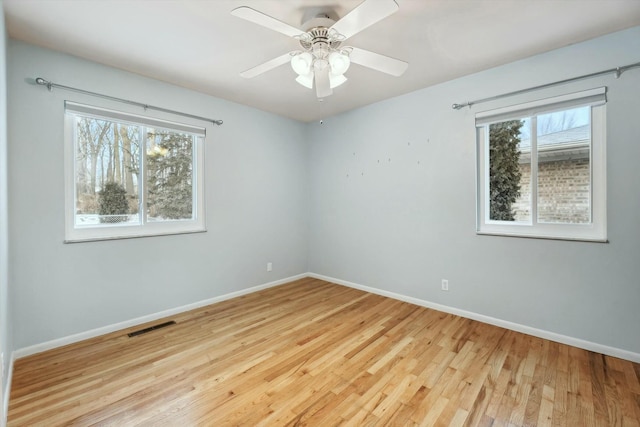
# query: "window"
541,168
131,176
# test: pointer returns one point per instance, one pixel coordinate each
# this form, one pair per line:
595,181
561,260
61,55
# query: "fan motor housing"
318,36
319,19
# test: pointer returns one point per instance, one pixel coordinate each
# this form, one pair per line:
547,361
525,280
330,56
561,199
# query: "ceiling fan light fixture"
320,64
306,80
301,63
335,81
339,62
323,60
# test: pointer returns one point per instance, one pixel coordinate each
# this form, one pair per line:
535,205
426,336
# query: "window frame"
146,228
596,230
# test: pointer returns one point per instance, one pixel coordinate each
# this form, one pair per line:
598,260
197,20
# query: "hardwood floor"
315,353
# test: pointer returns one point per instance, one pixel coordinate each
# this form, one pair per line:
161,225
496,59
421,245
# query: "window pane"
564,172
509,194
169,175
522,205
106,177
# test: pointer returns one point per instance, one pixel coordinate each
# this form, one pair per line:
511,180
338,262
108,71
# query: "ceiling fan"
324,59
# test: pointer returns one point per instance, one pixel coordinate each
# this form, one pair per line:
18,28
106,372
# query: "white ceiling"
197,44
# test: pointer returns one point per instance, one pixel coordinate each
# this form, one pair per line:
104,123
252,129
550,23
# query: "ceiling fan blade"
266,21
367,13
269,65
323,85
378,62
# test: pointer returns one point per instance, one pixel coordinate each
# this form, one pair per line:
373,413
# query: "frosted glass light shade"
301,63
339,63
306,65
306,80
335,81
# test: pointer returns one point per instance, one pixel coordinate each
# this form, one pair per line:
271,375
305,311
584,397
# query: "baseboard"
7,391
540,333
48,345
552,336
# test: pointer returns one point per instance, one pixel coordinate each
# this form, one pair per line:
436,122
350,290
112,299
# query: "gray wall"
392,203
6,345
256,212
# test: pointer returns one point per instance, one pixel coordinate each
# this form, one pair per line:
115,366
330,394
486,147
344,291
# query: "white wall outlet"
445,285
269,266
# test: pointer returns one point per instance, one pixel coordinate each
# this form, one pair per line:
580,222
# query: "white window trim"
596,231
105,232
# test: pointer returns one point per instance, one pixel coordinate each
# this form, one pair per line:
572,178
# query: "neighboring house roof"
570,143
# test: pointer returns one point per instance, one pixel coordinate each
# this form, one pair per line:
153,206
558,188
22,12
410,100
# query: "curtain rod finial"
460,106
44,82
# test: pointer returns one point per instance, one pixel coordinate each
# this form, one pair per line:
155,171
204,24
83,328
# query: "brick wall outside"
563,192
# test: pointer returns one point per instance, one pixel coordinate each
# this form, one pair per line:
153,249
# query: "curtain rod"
615,71
50,85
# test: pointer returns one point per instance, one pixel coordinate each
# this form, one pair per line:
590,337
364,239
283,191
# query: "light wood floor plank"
318,354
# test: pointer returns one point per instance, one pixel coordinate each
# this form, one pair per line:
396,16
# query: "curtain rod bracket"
50,85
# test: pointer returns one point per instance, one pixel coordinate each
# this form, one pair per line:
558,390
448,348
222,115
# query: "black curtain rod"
51,85
617,72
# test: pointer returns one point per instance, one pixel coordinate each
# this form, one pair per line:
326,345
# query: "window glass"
169,175
564,172
509,170
107,172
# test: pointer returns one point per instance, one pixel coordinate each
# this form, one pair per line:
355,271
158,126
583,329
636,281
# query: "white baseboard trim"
7,391
59,342
564,339
540,333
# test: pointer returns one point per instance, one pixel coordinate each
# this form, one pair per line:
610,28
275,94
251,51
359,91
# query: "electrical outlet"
269,266
445,285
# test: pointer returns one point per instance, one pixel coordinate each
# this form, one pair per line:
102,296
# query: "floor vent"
151,328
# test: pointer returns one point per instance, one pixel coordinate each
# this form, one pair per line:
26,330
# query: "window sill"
130,236
545,237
